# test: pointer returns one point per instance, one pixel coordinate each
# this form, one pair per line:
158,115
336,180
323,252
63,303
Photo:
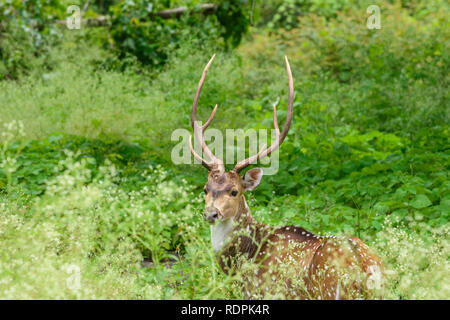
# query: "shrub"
151,38
25,34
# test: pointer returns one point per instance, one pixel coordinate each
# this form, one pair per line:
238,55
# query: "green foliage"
233,17
25,34
103,6
286,14
86,177
94,224
32,12
150,38
134,32
16,51
345,49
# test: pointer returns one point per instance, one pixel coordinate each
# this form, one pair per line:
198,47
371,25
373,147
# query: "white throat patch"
220,232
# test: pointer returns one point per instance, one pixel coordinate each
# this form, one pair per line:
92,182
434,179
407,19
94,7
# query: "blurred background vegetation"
86,176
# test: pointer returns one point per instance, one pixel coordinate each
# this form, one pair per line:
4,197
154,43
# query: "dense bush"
25,33
136,32
140,32
16,50
286,14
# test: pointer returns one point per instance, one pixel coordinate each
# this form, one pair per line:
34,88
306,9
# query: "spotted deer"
289,261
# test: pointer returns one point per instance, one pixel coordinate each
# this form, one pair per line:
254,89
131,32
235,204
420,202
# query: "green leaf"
420,201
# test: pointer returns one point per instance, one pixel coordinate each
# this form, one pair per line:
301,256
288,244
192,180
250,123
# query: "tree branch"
205,8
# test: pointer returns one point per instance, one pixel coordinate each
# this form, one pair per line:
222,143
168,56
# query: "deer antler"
214,163
279,137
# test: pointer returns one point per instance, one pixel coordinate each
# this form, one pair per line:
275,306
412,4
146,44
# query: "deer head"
224,191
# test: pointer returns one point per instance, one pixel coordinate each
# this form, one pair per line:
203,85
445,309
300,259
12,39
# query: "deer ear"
252,178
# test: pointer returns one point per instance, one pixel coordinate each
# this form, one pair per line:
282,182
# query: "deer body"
318,260
290,262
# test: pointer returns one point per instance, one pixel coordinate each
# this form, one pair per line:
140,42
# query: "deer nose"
212,215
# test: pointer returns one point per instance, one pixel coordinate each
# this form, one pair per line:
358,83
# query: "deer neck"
238,235
243,217
220,233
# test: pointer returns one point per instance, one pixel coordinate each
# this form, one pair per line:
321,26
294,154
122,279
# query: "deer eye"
234,193
205,191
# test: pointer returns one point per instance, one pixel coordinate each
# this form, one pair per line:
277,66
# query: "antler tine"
275,119
199,90
279,137
287,124
206,164
215,163
211,117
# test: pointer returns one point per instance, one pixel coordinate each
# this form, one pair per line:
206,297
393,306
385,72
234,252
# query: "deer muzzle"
212,214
